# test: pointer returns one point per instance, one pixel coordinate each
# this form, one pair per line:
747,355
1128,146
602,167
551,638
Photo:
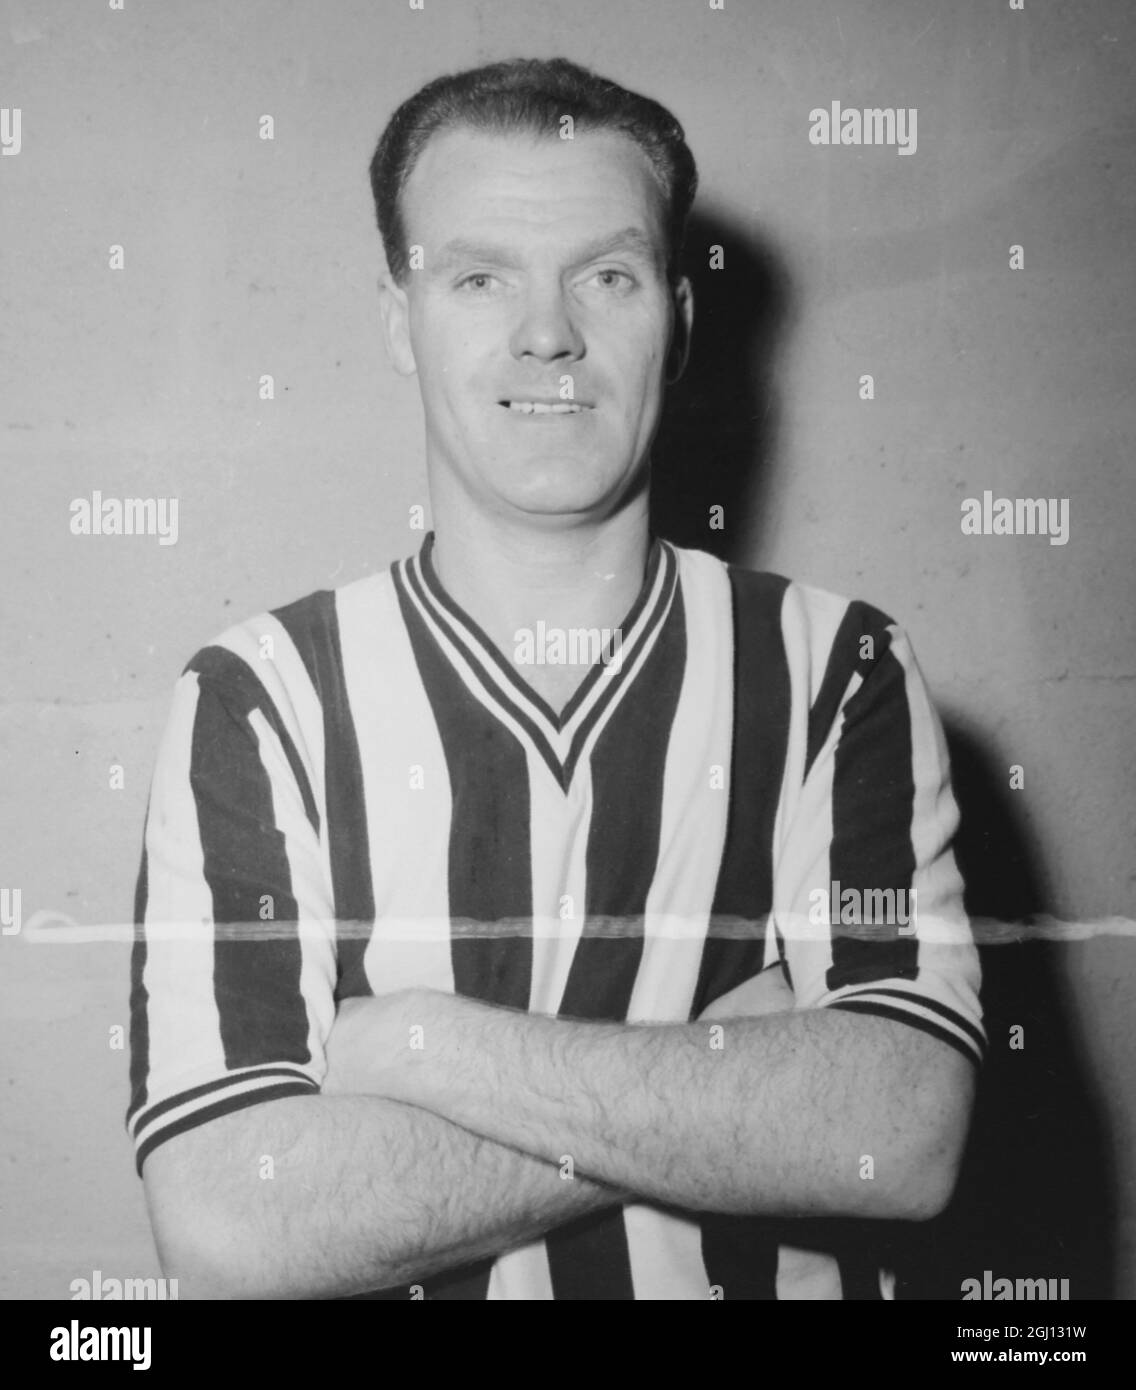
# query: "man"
460,974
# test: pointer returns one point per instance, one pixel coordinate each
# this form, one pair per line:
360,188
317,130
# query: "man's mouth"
531,407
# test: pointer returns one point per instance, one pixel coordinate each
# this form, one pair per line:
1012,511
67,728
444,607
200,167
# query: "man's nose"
546,329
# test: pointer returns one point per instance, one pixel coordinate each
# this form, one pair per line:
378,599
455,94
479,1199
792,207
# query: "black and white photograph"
569,655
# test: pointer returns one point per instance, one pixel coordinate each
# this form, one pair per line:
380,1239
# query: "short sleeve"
868,900
233,968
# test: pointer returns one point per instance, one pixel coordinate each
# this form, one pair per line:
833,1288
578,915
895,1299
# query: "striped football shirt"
357,793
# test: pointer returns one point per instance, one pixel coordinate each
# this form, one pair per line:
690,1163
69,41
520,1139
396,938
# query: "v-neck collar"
558,738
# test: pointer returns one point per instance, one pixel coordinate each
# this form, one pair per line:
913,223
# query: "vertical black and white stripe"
357,793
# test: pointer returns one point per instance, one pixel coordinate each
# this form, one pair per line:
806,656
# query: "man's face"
543,282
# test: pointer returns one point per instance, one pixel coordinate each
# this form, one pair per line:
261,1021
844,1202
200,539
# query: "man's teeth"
538,408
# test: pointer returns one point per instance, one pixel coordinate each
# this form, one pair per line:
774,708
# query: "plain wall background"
245,257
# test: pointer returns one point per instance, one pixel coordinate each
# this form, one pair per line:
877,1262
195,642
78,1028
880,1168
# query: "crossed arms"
417,1159
413,1160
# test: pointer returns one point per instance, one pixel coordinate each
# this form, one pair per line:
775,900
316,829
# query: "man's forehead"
467,172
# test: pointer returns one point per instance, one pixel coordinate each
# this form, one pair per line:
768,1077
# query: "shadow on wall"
717,441
1035,1198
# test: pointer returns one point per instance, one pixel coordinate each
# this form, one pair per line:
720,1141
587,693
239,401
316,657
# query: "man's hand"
351,1047
376,1040
765,993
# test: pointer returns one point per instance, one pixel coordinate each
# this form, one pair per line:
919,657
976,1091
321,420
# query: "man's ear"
678,353
395,313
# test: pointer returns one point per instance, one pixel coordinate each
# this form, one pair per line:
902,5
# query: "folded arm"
769,1115
363,1194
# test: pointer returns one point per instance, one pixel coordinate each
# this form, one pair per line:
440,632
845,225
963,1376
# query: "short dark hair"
529,95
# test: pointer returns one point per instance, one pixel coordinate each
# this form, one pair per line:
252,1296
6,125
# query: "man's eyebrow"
459,250
628,239
633,239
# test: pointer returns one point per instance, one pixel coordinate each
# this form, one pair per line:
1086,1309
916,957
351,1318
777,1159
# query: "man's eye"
477,283
613,279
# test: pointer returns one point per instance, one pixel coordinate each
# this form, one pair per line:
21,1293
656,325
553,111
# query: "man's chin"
550,489
551,509
560,491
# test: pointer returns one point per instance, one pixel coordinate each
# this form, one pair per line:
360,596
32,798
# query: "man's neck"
509,579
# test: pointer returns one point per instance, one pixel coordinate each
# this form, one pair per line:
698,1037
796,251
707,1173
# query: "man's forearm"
817,1112
360,1194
